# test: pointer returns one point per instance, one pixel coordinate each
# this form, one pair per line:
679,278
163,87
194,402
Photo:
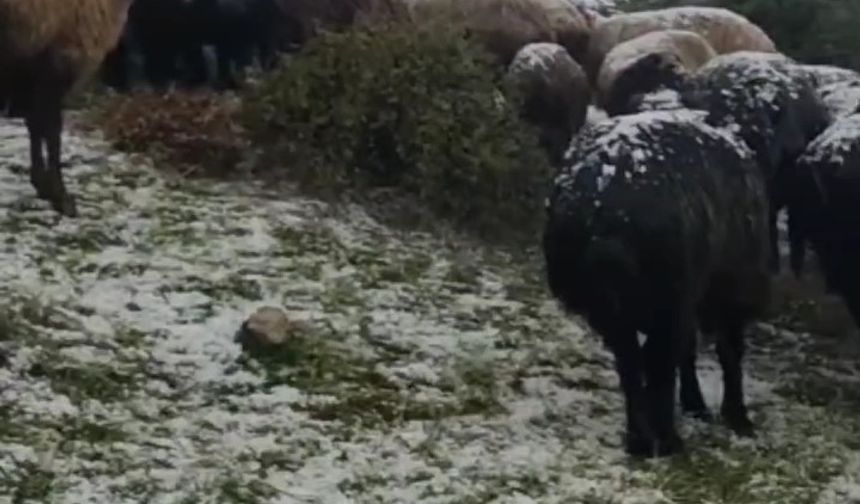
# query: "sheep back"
842,98
826,75
554,91
652,206
505,26
775,111
649,61
725,31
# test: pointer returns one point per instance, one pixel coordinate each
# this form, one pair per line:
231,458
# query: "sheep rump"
725,31
644,64
657,224
554,91
826,191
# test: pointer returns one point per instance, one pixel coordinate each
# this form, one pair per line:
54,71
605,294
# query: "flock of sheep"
662,219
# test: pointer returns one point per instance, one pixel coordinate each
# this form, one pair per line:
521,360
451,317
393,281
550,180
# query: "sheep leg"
195,64
267,53
36,132
61,200
660,377
224,55
797,241
157,63
730,350
692,400
774,241
628,364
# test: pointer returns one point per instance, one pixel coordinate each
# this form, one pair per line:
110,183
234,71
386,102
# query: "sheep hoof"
701,414
642,447
775,267
639,446
740,424
38,183
65,205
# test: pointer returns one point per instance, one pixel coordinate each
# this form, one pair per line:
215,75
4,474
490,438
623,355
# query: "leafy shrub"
191,129
398,106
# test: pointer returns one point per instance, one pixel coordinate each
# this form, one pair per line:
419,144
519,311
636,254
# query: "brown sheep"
725,30
554,91
505,26
47,49
643,64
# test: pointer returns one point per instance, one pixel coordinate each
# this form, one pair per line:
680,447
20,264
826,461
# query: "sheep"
774,109
725,30
658,224
841,98
505,26
839,88
306,18
47,49
643,64
824,201
554,91
239,29
169,39
168,33
826,75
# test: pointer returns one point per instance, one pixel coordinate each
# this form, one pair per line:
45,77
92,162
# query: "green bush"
419,110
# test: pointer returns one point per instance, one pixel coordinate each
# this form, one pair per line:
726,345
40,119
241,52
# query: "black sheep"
238,30
658,224
826,191
769,102
170,37
841,98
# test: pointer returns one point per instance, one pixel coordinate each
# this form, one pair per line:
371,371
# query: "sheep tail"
596,278
611,272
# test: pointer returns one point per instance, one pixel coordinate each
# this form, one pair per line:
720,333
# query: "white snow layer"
154,278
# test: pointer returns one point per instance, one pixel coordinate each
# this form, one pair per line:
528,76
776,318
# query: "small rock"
267,326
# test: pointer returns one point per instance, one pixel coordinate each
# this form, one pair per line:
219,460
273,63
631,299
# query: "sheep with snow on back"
841,98
47,48
554,92
503,27
777,113
824,201
839,88
657,225
659,59
725,31
826,75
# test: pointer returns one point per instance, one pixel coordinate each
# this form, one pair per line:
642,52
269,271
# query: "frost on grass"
418,372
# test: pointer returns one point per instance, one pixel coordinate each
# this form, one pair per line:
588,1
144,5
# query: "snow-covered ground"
421,371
